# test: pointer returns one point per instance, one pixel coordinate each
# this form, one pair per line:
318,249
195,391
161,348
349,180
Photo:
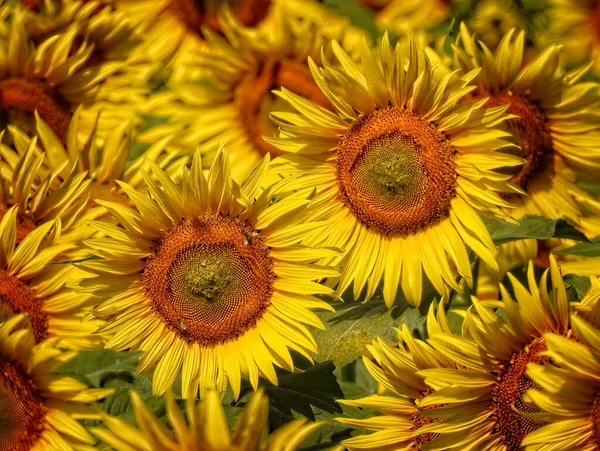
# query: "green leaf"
299,392
119,403
358,15
96,367
591,187
580,284
565,230
349,330
582,250
534,227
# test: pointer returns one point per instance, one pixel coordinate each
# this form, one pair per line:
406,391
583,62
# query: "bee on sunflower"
39,410
400,166
208,278
232,100
397,371
483,404
571,387
206,428
75,65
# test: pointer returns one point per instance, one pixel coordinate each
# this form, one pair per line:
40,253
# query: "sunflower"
42,185
39,409
396,371
492,19
571,389
56,73
556,129
400,168
519,253
233,100
402,16
31,282
206,428
113,33
176,27
208,275
482,405
575,25
96,167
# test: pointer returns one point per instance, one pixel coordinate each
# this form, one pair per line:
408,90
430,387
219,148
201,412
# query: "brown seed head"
19,96
253,98
210,279
530,133
508,393
16,297
22,409
396,172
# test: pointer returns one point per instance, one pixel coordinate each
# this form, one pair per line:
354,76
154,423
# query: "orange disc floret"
422,420
396,171
16,297
513,383
254,90
28,96
530,132
596,420
22,410
210,279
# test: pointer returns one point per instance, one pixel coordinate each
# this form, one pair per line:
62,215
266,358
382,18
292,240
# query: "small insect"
182,325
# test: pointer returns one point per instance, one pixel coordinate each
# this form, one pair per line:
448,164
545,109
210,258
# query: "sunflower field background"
299,225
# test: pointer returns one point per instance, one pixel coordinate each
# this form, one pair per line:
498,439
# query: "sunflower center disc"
530,133
19,98
595,418
513,383
396,172
22,410
24,223
255,102
15,298
196,13
210,279
420,421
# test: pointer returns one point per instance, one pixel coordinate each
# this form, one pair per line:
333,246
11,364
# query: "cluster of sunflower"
208,188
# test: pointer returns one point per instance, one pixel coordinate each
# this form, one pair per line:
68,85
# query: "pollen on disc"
396,172
210,279
22,410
